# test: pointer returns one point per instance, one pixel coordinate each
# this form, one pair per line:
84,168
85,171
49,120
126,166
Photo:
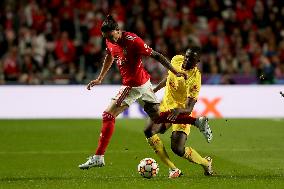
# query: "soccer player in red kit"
126,50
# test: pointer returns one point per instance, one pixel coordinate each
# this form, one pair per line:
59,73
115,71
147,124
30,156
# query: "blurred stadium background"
50,49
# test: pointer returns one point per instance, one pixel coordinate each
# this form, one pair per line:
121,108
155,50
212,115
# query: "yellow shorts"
176,127
182,127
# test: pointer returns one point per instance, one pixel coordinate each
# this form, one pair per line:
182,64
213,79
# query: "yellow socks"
156,143
191,155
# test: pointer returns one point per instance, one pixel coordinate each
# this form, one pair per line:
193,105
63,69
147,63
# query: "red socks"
183,118
109,121
106,133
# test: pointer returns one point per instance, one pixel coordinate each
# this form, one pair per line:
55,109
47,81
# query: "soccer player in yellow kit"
180,98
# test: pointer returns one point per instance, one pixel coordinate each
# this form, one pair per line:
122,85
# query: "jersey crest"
194,88
173,85
129,37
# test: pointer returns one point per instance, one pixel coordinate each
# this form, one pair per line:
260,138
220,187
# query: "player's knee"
148,132
163,128
107,116
152,110
178,150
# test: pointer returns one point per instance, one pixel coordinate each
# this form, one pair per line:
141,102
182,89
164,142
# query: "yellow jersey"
177,89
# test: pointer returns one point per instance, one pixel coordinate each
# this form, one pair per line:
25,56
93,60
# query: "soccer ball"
148,168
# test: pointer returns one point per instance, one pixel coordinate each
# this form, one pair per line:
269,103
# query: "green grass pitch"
247,153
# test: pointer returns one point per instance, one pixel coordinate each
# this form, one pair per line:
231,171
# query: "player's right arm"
188,109
192,94
106,65
145,50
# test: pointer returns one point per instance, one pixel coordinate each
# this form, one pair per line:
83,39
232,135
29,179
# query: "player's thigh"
151,128
150,104
165,127
178,139
124,98
152,109
115,109
147,94
181,127
126,95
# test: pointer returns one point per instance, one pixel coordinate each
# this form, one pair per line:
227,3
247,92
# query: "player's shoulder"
108,43
178,58
195,71
198,72
177,61
129,36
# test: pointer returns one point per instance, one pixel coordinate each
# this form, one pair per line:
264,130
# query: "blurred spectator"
11,66
2,77
93,56
30,70
65,52
66,15
266,71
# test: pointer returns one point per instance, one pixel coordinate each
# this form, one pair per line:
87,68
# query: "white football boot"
175,173
203,125
93,161
208,170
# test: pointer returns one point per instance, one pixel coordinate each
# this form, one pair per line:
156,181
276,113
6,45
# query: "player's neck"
120,37
188,69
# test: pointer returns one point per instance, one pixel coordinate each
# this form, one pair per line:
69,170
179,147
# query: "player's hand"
181,74
93,83
174,114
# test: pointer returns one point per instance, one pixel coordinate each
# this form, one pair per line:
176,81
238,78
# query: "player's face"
190,59
112,36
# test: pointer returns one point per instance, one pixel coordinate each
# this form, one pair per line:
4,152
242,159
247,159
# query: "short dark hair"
109,24
196,49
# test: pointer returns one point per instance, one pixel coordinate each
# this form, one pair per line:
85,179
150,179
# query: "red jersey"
127,53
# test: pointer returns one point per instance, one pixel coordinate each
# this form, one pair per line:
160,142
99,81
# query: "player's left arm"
166,63
188,109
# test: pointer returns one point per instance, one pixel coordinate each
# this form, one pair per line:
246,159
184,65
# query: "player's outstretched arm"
166,63
161,85
106,65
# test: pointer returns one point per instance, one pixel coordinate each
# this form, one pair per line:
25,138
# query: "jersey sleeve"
107,48
194,89
141,47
